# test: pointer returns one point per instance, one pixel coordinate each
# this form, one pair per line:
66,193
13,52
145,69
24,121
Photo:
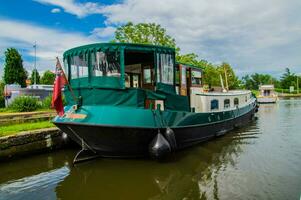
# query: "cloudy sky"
253,36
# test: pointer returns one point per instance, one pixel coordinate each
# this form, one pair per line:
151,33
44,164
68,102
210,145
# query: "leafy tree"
211,75
48,78
33,76
2,100
14,71
255,80
1,88
144,33
191,59
233,81
288,79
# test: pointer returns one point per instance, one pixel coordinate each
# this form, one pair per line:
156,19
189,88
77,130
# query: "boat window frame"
117,56
75,66
216,107
120,48
159,71
236,101
228,105
197,70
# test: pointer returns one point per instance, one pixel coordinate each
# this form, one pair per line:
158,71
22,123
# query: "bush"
286,91
2,102
25,104
46,103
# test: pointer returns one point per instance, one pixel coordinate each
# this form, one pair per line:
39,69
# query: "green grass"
7,110
256,92
14,129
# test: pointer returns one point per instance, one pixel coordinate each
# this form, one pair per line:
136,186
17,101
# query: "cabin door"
147,77
183,80
188,80
148,83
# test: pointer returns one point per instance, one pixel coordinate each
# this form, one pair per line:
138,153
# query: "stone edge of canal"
32,142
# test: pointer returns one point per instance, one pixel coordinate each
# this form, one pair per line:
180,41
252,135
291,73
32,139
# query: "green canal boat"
134,100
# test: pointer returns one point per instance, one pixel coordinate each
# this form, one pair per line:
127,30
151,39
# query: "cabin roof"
229,93
266,87
116,46
189,65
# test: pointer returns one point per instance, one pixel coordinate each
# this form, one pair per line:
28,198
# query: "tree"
211,75
2,100
233,81
191,59
144,33
14,71
252,82
32,79
48,78
288,79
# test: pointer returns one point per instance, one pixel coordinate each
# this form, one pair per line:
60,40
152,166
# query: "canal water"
260,161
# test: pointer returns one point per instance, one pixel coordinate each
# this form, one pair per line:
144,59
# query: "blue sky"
253,36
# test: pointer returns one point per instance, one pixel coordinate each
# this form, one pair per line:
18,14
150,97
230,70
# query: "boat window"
266,93
196,77
79,66
227,103
214,104
183,77
236,102
147,75
66,71
246,98
177,76
105,63
165,68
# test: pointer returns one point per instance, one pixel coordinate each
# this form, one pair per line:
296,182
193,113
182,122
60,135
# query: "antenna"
35,62
222,83
226,79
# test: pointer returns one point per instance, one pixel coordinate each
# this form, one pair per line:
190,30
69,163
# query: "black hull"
134,142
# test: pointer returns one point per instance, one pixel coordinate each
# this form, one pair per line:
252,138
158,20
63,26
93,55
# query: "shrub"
46,103
25,104
2,102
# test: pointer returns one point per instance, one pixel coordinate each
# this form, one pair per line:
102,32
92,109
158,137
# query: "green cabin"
129,75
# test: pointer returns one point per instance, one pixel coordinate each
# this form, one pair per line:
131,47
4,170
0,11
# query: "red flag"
57,101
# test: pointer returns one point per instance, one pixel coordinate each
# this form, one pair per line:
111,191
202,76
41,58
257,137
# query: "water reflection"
260,161
189,175
34,187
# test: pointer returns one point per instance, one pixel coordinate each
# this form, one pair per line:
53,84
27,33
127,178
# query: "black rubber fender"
159,147
170,136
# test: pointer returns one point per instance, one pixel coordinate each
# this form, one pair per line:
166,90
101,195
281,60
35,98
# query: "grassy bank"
13,129
7,110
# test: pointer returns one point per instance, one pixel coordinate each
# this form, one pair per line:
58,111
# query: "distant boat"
134,100
267,94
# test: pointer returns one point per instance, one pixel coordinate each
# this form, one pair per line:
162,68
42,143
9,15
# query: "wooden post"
297,84
226,79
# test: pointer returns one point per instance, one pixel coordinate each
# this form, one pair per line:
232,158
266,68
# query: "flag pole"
58,64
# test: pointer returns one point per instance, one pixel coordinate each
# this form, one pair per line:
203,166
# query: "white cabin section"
189,83
219,101
267,94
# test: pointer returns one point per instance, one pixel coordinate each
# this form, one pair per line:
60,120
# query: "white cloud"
261,36
50,42
55,10
75,8
106,32
251,35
